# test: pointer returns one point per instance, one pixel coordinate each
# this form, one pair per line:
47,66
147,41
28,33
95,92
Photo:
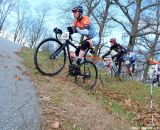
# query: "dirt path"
71,107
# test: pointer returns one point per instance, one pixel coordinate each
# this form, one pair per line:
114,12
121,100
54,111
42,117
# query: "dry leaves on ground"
127,103
18,78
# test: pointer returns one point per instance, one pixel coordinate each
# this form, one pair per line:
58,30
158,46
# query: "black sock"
78,61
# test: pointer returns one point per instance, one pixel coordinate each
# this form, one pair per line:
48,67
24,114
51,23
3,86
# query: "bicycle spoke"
44,62
88,77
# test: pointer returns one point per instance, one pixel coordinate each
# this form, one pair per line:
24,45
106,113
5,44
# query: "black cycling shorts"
85,45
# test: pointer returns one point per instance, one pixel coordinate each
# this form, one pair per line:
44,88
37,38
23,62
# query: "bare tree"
91,5
37,28
22,22
6,7
151,42
136,23
100,15
24,33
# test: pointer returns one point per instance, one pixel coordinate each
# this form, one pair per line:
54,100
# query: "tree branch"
147,25
151,5
125,11
143,45
146,33
122,25
95,17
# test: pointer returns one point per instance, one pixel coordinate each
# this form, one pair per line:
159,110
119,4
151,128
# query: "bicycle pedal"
74,70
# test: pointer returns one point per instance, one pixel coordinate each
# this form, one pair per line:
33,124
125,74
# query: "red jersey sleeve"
75,24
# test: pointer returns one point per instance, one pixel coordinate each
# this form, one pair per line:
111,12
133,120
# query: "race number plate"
65,36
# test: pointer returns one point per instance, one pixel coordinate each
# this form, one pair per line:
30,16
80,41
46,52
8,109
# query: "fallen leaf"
55,125
45,98
18,67
25,73
127,102
18,78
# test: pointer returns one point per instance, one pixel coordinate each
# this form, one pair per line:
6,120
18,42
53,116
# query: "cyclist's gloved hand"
113,57
70,30
92,51
103,56
57,30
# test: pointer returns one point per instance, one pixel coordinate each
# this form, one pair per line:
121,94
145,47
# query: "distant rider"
121,53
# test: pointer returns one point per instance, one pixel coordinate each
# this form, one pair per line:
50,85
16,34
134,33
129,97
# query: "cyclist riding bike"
83,25
121,53
130,60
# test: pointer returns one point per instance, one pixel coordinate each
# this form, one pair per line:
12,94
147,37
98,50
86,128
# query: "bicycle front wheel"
88,76
108,77
44,59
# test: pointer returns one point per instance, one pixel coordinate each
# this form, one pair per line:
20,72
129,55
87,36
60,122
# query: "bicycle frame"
62,47
113,66
66,44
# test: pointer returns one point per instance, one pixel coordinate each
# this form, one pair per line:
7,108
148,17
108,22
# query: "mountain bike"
108,71
127,73
51,54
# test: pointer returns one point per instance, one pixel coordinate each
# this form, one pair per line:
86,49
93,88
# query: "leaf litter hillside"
114,106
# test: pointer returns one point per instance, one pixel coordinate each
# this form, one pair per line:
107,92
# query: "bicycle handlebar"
59,31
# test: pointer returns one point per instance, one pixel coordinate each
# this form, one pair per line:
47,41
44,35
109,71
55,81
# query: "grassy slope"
129,100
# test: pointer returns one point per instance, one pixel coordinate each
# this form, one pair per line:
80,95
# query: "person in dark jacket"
121,53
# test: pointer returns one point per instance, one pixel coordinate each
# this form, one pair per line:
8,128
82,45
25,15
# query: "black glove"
57,30
103,56
113,57
70,30
92,51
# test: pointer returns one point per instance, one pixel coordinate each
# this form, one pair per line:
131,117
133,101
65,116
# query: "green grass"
27,55
58,100
43,60
136,91
117,108
112,95
70,127
139,94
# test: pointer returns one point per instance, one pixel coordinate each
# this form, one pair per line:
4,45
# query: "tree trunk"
134,29
145,75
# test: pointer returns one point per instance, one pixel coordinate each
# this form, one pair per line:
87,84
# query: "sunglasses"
74,11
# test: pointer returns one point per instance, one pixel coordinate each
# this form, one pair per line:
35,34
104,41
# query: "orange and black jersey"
85,23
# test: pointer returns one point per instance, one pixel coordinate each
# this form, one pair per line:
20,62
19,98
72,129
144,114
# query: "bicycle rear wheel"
45,61
125,74
88,76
